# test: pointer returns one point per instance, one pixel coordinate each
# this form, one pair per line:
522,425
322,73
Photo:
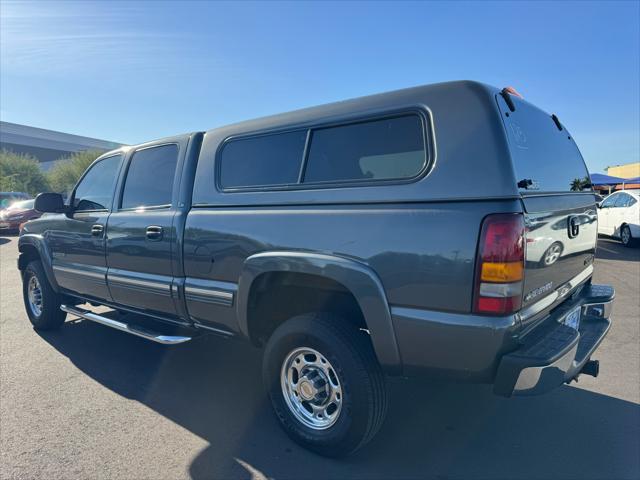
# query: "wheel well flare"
277,296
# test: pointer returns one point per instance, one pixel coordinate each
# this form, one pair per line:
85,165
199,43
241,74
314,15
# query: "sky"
135,71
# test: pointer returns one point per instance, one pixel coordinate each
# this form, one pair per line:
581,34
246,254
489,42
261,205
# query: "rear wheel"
40,300
625,236
325,383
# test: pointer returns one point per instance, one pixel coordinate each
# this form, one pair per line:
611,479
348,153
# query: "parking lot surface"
89,402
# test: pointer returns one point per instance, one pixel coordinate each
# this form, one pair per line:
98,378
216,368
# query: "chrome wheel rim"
552,254
34,294
625,235
311,388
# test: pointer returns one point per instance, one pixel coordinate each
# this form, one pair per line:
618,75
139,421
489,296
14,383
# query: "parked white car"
619,216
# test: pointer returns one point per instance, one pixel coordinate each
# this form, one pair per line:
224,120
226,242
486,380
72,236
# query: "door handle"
97,229
154,232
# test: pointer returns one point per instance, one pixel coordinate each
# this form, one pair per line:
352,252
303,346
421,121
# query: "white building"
47,145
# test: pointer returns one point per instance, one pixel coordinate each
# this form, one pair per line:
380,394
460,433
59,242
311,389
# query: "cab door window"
150,176
95,190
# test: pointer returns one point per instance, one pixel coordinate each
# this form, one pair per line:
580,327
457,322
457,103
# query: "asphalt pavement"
88,402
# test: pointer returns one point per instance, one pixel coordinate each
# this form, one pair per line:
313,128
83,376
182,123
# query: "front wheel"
40,300
325,383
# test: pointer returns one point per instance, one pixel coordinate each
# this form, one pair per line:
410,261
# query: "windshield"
6,199
23,205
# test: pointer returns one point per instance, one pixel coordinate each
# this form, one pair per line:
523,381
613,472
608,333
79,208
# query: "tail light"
500,267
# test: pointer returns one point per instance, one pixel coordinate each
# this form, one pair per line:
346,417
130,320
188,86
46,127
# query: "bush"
21,173
66,172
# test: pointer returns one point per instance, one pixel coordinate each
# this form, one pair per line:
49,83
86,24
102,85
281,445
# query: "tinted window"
375,150
95,190
267,160
545,159
150,177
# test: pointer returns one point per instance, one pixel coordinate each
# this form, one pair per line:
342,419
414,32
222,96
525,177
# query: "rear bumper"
555,353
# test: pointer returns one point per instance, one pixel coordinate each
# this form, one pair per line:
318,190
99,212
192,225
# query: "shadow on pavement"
610,249
213,388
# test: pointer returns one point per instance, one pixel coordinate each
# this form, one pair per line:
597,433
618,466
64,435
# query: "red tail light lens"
500,268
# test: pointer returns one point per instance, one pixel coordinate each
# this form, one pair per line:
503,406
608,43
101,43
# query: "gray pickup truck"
445,230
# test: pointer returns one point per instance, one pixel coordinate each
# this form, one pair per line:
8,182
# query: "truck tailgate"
561,234
560,208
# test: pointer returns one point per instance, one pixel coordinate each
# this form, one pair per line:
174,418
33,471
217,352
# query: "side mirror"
49,203
599,204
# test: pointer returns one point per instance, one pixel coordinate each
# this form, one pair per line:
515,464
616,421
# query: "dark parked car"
386,235
17,214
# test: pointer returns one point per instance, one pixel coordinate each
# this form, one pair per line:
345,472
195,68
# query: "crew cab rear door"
141,236
560,207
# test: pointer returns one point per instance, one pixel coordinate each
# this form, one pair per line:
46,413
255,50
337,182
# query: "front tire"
325,383
41,302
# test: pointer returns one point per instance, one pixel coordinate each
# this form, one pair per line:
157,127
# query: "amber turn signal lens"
501,272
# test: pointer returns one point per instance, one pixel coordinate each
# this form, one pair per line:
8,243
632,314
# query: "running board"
133,330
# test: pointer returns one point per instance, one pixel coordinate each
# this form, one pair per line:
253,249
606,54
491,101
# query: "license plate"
573,318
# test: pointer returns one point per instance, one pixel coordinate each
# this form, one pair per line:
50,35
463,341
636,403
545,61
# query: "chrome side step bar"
133,330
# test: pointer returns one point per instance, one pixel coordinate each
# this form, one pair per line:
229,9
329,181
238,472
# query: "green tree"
66,172
21,173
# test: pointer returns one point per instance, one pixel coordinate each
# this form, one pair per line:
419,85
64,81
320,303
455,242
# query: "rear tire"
41,302
325,383
625,236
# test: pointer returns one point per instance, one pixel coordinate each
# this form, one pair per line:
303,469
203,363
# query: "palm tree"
577,184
